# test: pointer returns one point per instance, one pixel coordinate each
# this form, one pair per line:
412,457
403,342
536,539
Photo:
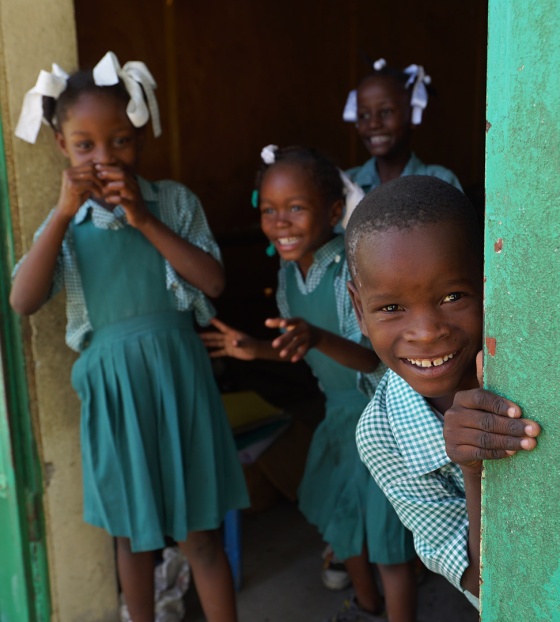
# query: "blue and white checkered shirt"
179,209
400,440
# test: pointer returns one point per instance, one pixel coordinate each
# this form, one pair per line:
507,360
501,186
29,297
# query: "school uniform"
400,439
157,451
367,177
337,493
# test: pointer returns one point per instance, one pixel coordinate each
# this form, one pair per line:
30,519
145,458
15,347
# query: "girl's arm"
290,347
191,263
33,281
300,336
227,341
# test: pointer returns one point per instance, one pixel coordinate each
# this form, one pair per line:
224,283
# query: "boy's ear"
358,308
61,142
336,212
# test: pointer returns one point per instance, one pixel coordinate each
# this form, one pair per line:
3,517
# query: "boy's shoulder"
400,420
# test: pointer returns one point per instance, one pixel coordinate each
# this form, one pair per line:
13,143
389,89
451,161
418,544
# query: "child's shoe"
333,573
352,612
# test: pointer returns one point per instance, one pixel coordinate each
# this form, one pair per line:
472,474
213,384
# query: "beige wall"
34,33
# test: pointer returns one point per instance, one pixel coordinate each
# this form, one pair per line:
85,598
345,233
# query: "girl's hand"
121,188
484,426
79,183
299,337
227,341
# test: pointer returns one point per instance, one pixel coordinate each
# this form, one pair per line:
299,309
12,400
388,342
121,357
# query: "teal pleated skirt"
158,453
339,496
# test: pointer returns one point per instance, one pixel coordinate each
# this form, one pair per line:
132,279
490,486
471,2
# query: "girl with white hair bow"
385,107
138,261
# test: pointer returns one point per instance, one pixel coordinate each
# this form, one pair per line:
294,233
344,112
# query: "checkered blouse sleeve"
182,212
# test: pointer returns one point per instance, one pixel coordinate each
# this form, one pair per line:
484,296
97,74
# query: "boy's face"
418,297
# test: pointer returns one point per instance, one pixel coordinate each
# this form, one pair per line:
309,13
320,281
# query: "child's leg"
399,585
136,574
211,574
363,581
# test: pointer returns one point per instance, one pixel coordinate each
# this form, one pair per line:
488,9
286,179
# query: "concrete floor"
282,559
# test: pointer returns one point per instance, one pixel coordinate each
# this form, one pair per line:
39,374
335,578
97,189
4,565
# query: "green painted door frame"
521,495
24,587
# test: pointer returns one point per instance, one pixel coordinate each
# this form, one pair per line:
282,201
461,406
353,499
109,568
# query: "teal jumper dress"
337,494
157,451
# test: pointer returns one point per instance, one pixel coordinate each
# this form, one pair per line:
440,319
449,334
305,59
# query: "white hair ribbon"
137,80
49,84
353,195
419,95
268,154
350,112
351,107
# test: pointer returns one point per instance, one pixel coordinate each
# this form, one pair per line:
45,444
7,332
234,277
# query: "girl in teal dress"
137,260
300,197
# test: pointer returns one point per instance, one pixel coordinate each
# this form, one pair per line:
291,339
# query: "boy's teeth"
430,362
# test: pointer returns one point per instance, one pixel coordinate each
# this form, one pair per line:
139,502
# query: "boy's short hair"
405,203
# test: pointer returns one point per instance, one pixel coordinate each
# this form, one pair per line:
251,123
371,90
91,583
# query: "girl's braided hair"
320,169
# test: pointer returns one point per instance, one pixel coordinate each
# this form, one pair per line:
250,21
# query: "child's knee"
203,546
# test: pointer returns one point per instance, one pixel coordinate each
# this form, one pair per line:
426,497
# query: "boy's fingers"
486,441
468,454
481,399
460,422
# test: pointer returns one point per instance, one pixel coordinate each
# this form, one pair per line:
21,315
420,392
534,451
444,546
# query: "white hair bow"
135,76
350,112
49,84
353,195
268,154
419,95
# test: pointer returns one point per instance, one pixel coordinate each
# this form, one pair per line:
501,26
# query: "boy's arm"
300,336
482,426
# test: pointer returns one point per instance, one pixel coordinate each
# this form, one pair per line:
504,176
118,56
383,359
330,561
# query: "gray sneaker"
352,612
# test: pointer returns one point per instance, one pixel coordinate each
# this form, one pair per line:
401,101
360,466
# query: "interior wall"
249,74
234,77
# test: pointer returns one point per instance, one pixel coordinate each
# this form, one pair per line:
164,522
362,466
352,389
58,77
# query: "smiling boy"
414,248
